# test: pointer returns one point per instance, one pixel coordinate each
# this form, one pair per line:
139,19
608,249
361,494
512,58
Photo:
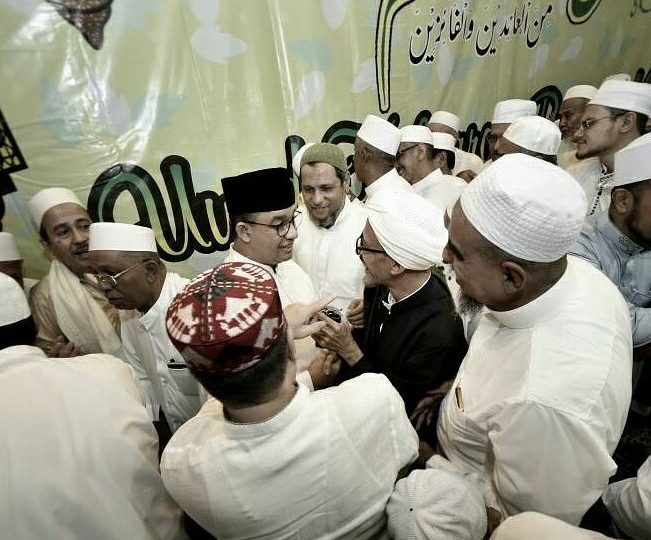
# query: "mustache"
83,248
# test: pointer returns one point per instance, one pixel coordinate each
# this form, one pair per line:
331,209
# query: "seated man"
78,453
11,263
531,135
411,332
504,114
541,398
273,460
449,124
572,107
132,276
326,238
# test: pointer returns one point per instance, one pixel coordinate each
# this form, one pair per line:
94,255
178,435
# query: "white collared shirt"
541,398
439,189
328,255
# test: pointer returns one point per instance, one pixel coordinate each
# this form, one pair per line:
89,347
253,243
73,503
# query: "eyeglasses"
282,228
585,124
399,153
110,282
360,247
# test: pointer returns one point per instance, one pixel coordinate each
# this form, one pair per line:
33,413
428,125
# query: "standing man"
504,114
326,239
11,263
616,116
532,135
449,123
572,108
132,276
541,398
70,311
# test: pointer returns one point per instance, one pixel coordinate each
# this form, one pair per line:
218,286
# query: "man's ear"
628,122
622,201
396,268
515,277
243,232
151,270
440,159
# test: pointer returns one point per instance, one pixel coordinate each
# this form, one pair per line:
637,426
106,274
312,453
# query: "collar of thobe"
407,302
389,179
541,308
243,258
433,178
159,308
620,241
274,424
18,355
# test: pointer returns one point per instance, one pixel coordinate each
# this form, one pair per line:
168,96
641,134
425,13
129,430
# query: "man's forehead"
441,128
317,170
64,212
592,111
286,213
573,103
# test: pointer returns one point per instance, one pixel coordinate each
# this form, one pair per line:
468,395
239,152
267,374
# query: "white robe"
566,155
78,453
590,175
328,255
323,467
390,180
148,349
459,160
439,189
541,398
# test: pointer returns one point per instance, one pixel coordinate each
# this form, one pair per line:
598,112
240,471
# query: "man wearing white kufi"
532,135
133,277
469,166
423,160
504,114
541,398
78,451
572,107
449,123
11,263
410,332
70,311
615,117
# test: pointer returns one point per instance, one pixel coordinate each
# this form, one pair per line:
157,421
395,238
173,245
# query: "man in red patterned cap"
267,458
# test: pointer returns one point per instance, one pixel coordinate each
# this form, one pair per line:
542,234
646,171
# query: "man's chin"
468,306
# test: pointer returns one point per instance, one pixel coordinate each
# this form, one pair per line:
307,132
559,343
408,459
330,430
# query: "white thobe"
566,155
323,467
149,350
597,184
390,180
328,255
294,285
439,189
629,503
541,398
78,453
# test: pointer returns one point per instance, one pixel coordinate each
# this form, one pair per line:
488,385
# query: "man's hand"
337,337
355,313
324,369
61,348
300,317
425,411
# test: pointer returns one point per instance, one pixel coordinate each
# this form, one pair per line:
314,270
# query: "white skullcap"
527,207
121,237
443,141
469,162
509,110
437,504
13,307
617,77
380,134
535,133
633,162
49,198
446,118
625,95
296,162
409,228
584,91
536,526
8,249
416,134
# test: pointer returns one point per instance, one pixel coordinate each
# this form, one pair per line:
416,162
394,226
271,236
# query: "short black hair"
640,119
432,152
254,385
22,332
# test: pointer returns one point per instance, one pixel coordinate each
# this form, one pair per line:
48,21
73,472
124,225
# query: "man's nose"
79,236
292,232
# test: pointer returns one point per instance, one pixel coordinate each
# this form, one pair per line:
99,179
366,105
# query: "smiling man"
572,108
70,311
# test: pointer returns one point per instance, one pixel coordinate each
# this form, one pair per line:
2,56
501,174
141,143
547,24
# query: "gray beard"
468,306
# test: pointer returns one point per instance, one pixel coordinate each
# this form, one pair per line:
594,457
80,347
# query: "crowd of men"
454,356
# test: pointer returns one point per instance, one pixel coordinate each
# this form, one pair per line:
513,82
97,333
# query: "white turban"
380,134
49,198
535,133
633,162
527,207
509,110
120,237
584,91
446,118
8,249
409,228
625,95
13,307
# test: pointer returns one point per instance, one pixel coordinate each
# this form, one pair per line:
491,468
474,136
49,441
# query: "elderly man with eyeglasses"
264,221
615,117
129,271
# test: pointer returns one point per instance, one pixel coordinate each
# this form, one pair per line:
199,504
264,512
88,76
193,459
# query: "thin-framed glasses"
585,124
109,281
405,149
360,247
282,228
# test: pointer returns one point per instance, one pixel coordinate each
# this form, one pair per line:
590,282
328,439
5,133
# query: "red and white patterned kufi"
226,318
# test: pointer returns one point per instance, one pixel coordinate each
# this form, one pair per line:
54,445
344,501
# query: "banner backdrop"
141,106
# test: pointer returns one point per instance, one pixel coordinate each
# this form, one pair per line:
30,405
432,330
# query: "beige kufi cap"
416,134
13,307
8,249
633,162
49,198
527,207
446,118
121,237
625,95
584,91
510,110
380,134
535,133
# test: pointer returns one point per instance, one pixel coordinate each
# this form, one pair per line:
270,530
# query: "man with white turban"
70,311
449,123
541,398
615,117
532,135
504,114
572,108
410,333
11,262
